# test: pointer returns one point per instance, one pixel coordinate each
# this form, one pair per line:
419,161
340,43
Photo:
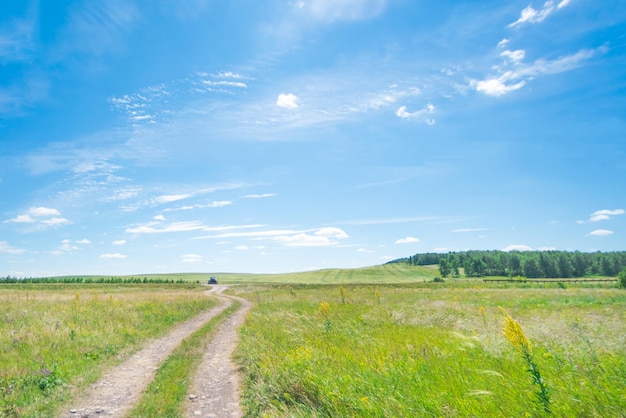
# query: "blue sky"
278,136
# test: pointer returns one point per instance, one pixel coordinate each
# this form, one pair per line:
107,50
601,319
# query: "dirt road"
215,387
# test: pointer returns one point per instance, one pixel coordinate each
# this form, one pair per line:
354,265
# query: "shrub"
622,278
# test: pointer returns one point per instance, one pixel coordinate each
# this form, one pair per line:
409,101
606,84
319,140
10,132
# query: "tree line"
530,264
97,280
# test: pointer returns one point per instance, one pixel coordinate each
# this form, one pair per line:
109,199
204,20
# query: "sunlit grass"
395,351
57,337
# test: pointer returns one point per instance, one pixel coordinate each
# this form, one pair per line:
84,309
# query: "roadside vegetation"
460,348
58,338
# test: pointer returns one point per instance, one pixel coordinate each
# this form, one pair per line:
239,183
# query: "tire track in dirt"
215,390
120,388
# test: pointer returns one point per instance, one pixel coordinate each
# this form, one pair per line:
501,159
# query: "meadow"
383,341
55,339
434,350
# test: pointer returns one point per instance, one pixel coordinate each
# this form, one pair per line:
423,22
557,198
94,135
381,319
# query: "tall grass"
431,350
56,337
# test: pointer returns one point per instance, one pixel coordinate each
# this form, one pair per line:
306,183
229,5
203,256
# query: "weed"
515,334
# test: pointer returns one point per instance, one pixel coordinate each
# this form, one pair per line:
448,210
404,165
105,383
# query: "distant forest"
530,264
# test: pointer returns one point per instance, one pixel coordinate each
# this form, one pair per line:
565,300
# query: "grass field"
56,337
383,341
433,350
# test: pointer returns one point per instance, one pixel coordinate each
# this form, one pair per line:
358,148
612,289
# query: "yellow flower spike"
515,334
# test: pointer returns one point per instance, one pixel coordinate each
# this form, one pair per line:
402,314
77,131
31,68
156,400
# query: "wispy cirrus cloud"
6,248
514,79
407,240
469,229
517,247
113,256
160,228
191,258
342,10
532,15
259,196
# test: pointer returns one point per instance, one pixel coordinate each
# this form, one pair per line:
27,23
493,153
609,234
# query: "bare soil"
215,388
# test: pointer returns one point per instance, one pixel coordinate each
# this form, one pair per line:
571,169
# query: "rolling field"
382,341
434,350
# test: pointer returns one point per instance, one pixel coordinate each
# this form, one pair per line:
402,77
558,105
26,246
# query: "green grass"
431,350
56,337
165,395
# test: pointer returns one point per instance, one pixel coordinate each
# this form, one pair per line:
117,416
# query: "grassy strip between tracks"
165,396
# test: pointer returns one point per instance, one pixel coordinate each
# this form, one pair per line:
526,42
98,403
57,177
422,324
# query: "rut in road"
214,391
120,389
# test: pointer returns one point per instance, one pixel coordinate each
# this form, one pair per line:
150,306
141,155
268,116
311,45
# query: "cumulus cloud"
191,258
42,216
83,241
531,15
601,232
119,242
242,248
517,247
407,240
604,214
113,256
287,101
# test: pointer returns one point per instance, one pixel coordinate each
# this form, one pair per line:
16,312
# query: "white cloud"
119,242
154,228
503,43
517,247
469,229
5,248
191,258
407,240
515,56
242,248
604,214
43,211
497,86
531,15
336,10
322,237
22,219
41,215
159,218
288,101
55,221
259,196
601,232
113,256
512,80
83,241
429,109
171,198
363,250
